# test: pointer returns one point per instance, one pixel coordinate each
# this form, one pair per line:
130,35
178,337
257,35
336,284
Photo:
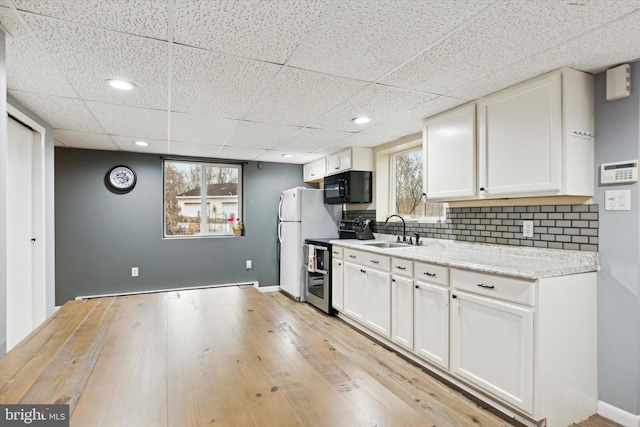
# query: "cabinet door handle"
393,280
481,188
399,267
352,256
339,263
430,274
363,271
482,285
454,296
417,287
374,261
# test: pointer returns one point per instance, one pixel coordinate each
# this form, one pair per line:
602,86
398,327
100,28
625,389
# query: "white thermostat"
619,172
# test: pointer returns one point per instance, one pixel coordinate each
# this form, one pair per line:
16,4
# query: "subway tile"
579,239
580,208
594,224
554,230
520,209
548,223
548,208
563,223
589,231
571,246
548,237
540,216
526,216
533,209
556,216
572,215
580,224
563,208
555,245
590,248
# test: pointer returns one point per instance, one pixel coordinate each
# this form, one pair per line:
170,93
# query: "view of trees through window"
407,187
201,198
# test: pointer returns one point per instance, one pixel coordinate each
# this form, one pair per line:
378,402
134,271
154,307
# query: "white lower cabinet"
516,343
354,291
378,309
367,294
337,284
402,311
431,323
492,346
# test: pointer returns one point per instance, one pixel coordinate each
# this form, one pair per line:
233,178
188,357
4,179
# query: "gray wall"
617,139
101,235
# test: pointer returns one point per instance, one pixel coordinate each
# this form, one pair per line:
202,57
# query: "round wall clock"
120,179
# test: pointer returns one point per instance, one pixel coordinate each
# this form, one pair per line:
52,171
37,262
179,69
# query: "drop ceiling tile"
201,129
89,56
508,33
29,68
410,122
257,29
277,156
376,102
296,97
365,40
606,46
260,135
131,121
60,113
310,140
194,150
142,17
127,143
366,140
214,84
239,153
84,140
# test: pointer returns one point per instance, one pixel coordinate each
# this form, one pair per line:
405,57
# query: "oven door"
318,286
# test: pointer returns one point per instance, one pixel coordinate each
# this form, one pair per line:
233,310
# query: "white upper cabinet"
315,171
450,154
536,139
354,158
533,139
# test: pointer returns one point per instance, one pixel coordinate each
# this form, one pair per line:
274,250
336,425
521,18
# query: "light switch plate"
619,200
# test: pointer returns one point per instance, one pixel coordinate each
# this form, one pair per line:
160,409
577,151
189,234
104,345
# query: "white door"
402,311
450,154
520,139
26,293
354,292
337,292
289,209
291,269
492,346
378,308
432,323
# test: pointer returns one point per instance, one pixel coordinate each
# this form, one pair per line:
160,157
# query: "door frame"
45,164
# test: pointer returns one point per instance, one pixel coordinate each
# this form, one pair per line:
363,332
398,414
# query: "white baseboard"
120,294
618,415
275,288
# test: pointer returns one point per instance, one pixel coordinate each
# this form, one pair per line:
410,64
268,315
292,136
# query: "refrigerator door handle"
280,207
280,232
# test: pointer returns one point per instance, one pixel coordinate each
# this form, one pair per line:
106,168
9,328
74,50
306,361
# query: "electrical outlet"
527,228
134,271
248,264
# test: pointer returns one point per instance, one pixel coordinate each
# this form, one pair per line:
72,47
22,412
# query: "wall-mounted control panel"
619,172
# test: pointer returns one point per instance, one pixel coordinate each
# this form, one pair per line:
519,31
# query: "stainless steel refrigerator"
302,214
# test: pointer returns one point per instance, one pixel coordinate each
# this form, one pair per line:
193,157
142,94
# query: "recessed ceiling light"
142,143
361,120
121,84
287,155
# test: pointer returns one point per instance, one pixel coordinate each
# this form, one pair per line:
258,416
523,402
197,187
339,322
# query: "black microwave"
348,187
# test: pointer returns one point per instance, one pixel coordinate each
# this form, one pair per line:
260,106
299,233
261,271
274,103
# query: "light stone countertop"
516,261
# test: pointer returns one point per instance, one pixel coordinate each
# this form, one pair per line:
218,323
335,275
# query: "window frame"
205,201
385,181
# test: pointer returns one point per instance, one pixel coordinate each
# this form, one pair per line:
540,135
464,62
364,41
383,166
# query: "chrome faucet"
404,226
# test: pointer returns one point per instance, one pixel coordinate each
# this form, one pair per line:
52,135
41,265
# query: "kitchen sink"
388,245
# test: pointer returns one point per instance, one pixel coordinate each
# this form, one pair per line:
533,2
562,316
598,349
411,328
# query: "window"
406,188
201,199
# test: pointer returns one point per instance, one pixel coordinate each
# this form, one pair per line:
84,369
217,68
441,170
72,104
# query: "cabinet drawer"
336,251
402,267
369,259
431,273
511,289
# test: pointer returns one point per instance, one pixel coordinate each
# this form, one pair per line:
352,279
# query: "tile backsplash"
572,227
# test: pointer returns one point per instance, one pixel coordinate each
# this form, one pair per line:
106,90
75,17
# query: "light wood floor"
224,357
